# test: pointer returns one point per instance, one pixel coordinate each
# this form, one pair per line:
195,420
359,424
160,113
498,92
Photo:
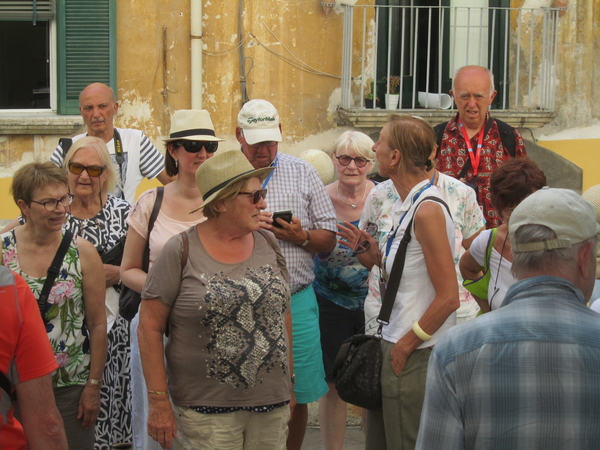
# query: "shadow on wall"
560,172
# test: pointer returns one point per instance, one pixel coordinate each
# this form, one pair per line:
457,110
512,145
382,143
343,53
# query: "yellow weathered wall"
153,73
583,152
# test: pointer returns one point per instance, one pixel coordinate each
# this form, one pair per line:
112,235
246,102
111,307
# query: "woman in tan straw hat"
228,369
192,141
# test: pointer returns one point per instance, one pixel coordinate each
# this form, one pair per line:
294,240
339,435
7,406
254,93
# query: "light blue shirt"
526,376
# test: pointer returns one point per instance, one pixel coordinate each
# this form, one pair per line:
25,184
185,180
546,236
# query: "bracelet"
97,383
420,333
158,392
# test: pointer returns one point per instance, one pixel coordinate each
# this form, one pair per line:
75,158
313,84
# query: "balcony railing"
414,51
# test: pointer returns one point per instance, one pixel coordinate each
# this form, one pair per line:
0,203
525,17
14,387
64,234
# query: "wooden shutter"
86,48
31,10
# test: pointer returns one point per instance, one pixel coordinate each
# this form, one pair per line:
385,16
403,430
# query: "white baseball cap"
259,121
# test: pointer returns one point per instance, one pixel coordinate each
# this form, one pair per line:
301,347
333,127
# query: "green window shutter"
86,48
30,10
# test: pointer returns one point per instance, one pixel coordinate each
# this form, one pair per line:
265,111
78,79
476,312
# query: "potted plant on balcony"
369,94
393,96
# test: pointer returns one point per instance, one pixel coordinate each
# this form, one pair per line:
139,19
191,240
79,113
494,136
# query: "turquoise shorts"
308,358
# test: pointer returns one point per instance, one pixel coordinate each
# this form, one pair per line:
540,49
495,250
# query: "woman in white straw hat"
228,369
192,141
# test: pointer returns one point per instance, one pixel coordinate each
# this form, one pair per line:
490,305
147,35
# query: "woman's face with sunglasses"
191,154
87,173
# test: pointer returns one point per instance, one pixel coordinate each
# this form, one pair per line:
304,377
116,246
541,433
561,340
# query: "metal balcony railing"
414,51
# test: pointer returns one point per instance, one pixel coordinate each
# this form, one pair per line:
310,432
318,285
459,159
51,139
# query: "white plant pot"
391,101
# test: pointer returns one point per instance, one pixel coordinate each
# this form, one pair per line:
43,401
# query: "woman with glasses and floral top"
228,377
340,280
74,311
192,142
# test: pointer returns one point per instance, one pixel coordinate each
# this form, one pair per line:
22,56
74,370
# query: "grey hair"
491,75
356,142
544,261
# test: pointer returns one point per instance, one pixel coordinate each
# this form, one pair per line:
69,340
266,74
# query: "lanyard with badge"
475,157
383,278
264,185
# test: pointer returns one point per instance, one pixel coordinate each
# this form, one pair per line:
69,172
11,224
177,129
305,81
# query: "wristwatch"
95,382
305,243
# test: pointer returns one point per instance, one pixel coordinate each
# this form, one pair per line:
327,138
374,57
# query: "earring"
392,166
176,163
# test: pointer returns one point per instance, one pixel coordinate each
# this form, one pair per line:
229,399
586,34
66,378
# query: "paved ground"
354,439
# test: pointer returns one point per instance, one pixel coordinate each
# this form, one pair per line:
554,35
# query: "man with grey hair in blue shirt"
526,376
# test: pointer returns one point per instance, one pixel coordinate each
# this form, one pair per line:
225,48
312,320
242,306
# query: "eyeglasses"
345,160
93,171
363,246
196,146
256,195
265,143
52,204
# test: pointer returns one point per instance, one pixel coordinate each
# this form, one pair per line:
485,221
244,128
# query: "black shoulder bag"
357,368
53,272
129,300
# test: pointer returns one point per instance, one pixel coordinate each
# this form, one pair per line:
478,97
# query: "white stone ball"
320,161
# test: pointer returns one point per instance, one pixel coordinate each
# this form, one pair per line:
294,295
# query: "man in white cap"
527,375
294,185
134,155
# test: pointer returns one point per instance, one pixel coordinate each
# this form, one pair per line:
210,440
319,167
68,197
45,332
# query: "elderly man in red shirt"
473,144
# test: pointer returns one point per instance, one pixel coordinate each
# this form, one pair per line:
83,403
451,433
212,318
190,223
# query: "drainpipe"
196,38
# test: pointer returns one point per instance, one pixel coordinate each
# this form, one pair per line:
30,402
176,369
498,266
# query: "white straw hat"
218,172
192,125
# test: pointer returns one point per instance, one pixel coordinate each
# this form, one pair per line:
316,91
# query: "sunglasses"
93,171
196,146
52,204
256,195
345,160
363,246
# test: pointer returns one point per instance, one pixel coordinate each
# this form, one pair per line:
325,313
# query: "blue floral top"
341,278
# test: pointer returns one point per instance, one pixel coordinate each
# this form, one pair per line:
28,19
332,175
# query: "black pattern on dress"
247,339
113,425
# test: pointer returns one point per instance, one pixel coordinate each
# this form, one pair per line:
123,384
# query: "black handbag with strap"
357,368
129,300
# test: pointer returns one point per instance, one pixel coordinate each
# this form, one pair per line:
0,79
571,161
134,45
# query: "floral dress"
63,313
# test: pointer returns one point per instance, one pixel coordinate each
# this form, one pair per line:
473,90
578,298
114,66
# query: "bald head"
473,92
98,106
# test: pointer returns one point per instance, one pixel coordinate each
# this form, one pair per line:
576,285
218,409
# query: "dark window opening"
24,65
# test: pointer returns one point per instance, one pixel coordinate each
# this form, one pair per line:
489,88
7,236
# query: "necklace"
354,205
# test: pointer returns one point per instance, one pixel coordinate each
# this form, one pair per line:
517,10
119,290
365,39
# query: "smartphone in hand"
285,215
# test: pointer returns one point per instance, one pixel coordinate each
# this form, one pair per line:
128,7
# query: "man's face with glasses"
260,154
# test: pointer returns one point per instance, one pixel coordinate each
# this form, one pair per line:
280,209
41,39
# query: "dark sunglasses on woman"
93,171
256,195
196,146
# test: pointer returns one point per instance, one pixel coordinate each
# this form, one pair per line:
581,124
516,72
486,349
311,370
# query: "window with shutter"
51,49
86,48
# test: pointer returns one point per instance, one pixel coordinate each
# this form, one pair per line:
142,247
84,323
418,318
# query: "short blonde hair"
34,176
356,142
101,149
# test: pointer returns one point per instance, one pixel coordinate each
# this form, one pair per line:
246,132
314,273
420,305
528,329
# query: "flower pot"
391,101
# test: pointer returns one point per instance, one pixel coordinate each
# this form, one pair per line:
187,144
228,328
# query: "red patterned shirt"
453,155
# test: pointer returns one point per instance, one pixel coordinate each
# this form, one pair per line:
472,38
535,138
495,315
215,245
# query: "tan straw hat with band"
192,125
218,172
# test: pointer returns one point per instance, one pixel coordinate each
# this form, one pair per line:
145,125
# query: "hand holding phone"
285,215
